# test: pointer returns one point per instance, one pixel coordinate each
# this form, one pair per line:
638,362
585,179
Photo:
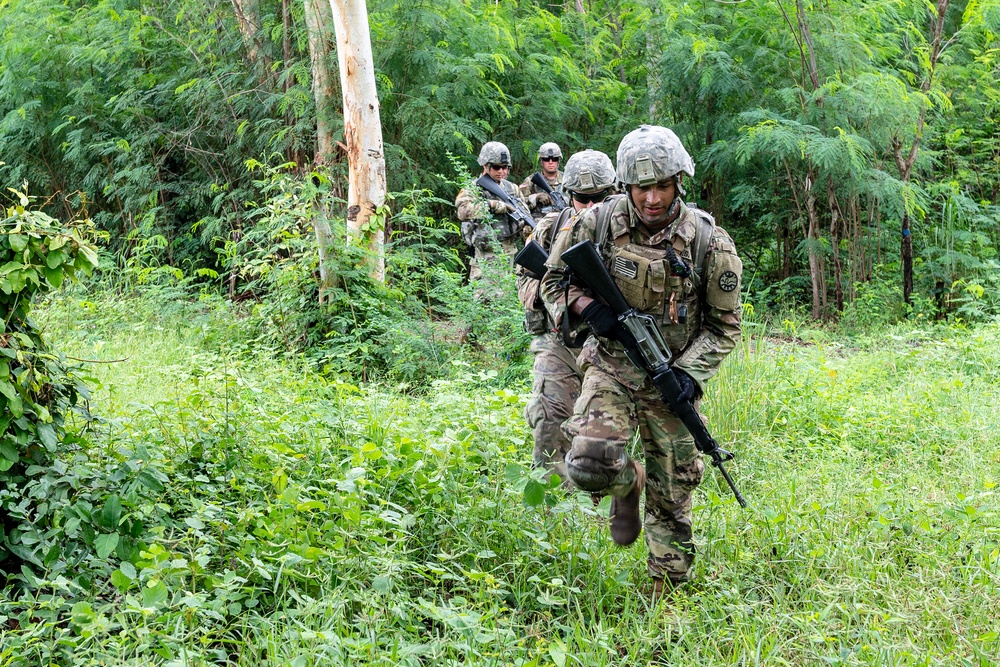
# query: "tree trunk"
815,258
366,212
318,22
248,20
905,163
906,256
838,268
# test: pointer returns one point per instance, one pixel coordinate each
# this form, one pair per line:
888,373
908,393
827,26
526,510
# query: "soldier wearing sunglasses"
549,155
590,176
483,217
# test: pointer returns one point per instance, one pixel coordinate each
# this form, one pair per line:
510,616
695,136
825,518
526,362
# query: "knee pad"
592,464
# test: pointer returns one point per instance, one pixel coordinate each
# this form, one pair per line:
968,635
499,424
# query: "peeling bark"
362,128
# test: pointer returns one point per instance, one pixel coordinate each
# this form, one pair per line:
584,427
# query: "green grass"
306,520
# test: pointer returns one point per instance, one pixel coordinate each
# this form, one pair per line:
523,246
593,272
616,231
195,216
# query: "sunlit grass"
369,527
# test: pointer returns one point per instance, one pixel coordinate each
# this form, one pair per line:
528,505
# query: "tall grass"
311,521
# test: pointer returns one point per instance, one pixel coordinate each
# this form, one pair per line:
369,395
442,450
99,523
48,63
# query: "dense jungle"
224,442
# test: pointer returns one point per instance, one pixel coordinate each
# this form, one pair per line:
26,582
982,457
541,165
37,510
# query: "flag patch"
626,268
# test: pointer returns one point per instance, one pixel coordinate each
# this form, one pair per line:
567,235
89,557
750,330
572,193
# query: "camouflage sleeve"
527,188
723,314
528,291
529,193
470,206
557,299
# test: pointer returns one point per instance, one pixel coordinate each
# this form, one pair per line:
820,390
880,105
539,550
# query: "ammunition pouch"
642,275
535,322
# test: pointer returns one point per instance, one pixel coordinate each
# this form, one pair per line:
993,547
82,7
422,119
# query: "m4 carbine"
651,352
519,213
532,257
558,201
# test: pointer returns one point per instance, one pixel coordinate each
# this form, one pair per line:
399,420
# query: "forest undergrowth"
285,518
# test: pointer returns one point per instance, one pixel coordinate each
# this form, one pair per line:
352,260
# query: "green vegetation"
820,130
306,520
205,461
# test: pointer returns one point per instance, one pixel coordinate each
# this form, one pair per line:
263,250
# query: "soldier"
589,177
639,235
549,155
480,211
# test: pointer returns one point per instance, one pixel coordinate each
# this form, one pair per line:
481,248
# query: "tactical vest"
647,280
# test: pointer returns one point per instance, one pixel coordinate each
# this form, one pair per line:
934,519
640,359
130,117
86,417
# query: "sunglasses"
597,197
549,159
500,166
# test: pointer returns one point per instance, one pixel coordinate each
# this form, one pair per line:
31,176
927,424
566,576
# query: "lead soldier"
696,303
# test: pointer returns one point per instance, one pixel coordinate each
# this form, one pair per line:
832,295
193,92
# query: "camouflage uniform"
530,191
618,400
478,224
557,377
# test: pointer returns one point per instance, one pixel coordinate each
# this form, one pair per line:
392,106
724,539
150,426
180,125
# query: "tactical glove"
543,199
604,322
689,388
498,207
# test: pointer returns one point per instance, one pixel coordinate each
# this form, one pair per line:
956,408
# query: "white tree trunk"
362,130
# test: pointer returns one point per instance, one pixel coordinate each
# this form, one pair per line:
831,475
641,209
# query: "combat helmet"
588,171
651,154
549,149
493,152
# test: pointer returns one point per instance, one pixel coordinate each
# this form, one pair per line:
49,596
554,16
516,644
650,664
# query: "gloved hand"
689,388
498,207
604,322
543,199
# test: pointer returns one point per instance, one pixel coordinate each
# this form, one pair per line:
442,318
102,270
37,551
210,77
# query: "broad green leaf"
48,436
120,580
7,389
88,253
8,450
18,242
534,493
105,544
310,505
147,479
154,593
54,276
111,514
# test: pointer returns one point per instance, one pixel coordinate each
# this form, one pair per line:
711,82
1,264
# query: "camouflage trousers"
556,389
606,419
483,257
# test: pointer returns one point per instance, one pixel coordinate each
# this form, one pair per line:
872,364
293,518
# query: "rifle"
520,213
651,352
532,257
558,201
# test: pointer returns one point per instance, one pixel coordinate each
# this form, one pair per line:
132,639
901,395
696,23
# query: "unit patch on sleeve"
728,281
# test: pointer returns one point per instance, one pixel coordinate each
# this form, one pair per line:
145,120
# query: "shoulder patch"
728,281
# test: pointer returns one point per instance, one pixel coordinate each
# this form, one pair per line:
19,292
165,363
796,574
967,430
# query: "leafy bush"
43,524
409,328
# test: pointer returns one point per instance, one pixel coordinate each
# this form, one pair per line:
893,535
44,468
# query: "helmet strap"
679,185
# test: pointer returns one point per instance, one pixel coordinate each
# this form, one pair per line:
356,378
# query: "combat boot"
626,524
662,589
